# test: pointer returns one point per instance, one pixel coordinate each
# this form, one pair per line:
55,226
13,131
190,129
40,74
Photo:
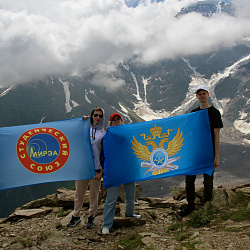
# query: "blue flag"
180,145
46,152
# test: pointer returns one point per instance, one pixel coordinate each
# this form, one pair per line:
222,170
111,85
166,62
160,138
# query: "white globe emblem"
159,158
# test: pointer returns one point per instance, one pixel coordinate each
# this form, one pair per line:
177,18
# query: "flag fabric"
180,145
46,152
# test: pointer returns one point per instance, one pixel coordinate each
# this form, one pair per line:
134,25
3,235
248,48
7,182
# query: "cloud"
111,84
63,37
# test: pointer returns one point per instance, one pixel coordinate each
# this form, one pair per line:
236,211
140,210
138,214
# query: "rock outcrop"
41,224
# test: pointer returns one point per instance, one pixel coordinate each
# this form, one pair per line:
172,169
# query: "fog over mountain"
144,59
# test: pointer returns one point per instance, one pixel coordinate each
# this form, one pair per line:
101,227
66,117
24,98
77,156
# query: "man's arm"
216,147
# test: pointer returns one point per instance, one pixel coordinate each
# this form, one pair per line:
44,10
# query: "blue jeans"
110,203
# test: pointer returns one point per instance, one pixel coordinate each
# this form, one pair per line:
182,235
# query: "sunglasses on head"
95,115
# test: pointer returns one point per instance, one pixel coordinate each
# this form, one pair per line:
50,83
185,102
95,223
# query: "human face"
116,121
202,96
97,117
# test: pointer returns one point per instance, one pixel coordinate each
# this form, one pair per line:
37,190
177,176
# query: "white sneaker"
105,230
138,216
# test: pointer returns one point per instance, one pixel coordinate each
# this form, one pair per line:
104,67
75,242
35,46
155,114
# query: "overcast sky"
60,37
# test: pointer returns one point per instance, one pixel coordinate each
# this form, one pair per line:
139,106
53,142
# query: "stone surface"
29,213
46,229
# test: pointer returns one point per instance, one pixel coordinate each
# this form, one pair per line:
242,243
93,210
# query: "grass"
61,214
131,242
208,215
241,214
238,211
235,230
240,200
25,242
176,226
199,218
189,245
182,236
58,225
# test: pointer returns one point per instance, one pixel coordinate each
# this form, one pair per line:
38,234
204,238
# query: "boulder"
220,198
29,213
120,222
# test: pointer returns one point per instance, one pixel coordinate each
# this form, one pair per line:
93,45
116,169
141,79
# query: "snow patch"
86,97
137,95
147,114
145,83
75,104
123,108
224,102
247,141
6,91
242,126
68,101
42,119
52,79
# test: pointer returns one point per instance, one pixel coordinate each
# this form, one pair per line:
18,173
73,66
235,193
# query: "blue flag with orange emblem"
180,145
46,152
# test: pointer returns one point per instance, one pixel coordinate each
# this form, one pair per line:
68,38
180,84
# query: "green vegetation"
58,225
189,245
28,242
176,226
240,200
238,211
131,242
61,214
210,216
182,236
199,218
25,242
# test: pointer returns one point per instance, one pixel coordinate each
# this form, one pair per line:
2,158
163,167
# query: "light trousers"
110,203
81,188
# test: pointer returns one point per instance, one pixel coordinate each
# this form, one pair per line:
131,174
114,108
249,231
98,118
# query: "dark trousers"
190,188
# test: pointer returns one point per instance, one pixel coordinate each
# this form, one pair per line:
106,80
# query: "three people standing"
96,134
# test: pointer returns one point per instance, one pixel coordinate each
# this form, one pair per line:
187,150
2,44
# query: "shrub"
199,218
132,242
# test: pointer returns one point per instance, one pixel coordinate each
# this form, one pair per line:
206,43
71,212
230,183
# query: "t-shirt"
214,119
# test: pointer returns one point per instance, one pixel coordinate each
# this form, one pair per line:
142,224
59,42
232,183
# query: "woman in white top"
96,133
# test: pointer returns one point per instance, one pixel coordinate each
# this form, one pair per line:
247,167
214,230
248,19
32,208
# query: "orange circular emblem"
43,150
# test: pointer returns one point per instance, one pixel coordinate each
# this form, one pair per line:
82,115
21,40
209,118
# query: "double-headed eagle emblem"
158,160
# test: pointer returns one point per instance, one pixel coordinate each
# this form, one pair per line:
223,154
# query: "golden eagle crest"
158,160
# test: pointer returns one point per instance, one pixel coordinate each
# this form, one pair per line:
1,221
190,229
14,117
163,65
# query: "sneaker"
187,210
90,223
105,230
138,216
74,221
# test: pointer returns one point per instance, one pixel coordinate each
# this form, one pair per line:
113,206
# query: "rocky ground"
41,224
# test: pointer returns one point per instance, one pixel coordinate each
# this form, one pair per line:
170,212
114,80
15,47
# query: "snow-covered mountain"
147,92
150,92
208,8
